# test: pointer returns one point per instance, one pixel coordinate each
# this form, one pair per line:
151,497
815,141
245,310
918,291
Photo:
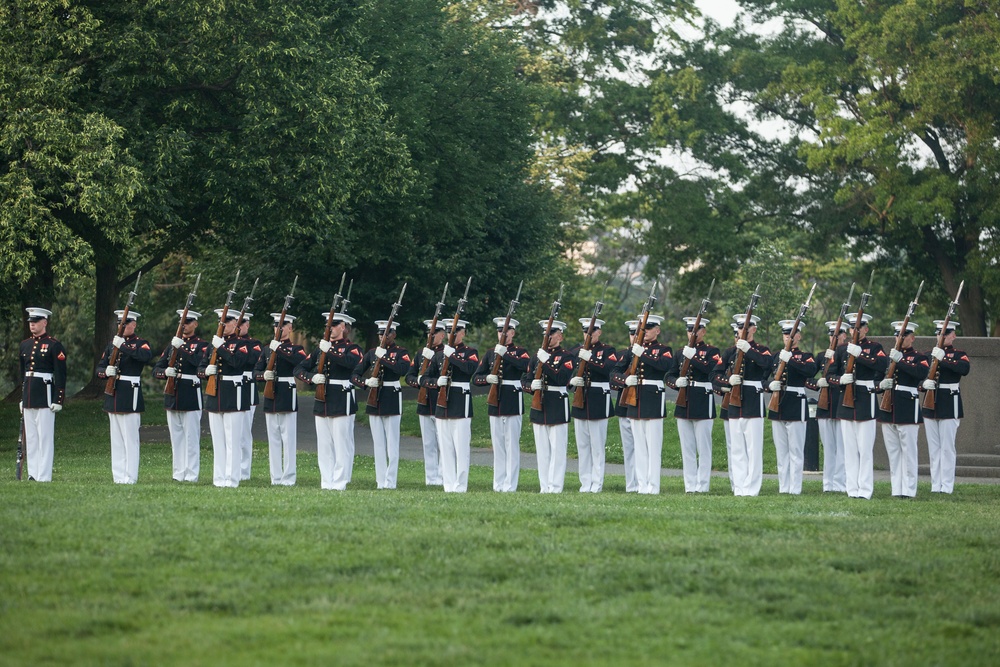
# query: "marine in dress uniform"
550,425
43,392
621,411
126,406
857,424
834,476
252,393
425,408
695,421
901,426
655,360
746,421
384,418
183,407
788,424
590,423
506,417
942,422
335,416
227,409
454,420
281,412
721,390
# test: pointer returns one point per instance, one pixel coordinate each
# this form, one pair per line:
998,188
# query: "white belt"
801,391
48,376
867,384
701,385
652,383
188,376
237,379
248,375
459,385
606,386
512,383
289,379
559,390
132,379
753,383
952,386
339,383
912,391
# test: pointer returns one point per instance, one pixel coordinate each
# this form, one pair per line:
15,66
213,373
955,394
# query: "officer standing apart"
126,406
858,423
507,415
900,427
281,412
834,477
183,406
942,422
43,392
696,420
621,410
788,424
251,393
226,410
551,424
590,423
384,417
425,408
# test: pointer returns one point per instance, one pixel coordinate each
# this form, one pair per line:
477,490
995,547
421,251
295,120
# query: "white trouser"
628,452
282,439
227,434
941,448
859,441
335,451
790,446
385,437
432,454
125,447
834,476
246,444
747,463
551,442
591,437
39,442
505,433
454,440
729,454
901,447
648,454
185,442
696,453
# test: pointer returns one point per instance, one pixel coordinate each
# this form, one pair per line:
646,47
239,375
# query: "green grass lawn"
168,574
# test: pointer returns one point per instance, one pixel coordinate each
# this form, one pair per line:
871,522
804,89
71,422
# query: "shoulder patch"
145,346
61,356
473,357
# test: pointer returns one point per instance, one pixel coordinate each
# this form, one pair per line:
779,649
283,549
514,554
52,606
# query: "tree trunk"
105,300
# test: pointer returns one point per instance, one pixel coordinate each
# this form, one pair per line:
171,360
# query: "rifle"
442,399
536,397
20,450
494,395
823,402
580,395
109,386
272,360
346,301
774,405
735,395
682,392
321,362
848,401
422,394
377,368
930,396
629,394
885,405
171,387
212,384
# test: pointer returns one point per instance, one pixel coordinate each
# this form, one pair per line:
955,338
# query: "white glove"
380,352
448,350
500,350
585,355
20,406
937,353
689,352
774,385
536,385
577,381
822,383
493,379
325,345
371,382
895,355
785,355
170,372
274,345
681,382
443,381
428,353
211,369
111,371
885,384
319,378
853,350
930,385
735,380
743,345
830,354
55,407
117,341
632,381
847,378
637,349
218,341
176,342
270,376
542,355
725,390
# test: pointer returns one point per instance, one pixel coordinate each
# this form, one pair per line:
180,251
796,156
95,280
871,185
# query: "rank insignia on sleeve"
145,346
62,356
